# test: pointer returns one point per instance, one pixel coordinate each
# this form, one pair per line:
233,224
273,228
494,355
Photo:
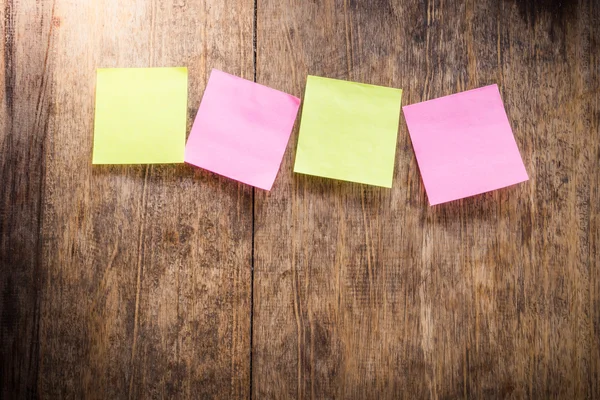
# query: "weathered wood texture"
362,292
135,281
23,124
118,281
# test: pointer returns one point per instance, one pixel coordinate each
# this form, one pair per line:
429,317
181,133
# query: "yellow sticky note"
348,131
141,115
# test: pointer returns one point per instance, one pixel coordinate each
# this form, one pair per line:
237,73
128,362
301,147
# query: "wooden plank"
551,63
146,268
23,119
362,292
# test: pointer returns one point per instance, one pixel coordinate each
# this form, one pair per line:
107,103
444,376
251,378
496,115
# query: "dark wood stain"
20,210
556,10
9,47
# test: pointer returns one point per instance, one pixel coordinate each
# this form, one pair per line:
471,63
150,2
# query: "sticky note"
464,144
141,115
241,130
348,131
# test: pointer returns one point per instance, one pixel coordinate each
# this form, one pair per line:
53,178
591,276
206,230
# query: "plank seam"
254,62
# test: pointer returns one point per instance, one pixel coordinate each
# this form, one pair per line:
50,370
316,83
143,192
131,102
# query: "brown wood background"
172,282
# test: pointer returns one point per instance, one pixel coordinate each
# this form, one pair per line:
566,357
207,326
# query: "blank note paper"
348,131
464,145
241,130
140,115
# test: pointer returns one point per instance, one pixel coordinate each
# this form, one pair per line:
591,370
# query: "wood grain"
135,281
144,270
24,112
362,292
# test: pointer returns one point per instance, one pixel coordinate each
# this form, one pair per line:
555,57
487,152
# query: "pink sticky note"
241,130
464,144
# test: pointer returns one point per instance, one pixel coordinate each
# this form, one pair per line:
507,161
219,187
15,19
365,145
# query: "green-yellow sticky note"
141,115
348,131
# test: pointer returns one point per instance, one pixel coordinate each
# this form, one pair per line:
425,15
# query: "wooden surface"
118,281
172,282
